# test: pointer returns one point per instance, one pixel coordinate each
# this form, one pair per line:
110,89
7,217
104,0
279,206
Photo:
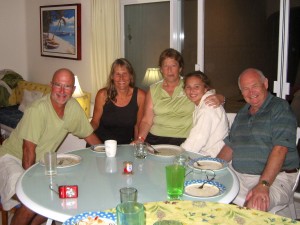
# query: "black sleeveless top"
117,123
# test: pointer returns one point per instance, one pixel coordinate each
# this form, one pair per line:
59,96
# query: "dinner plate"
166,150
98,148
106,218
65,160
210,188
208,163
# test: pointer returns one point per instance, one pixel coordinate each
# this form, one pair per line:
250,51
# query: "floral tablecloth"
198,212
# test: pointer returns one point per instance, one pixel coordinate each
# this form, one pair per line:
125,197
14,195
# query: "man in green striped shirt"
262,145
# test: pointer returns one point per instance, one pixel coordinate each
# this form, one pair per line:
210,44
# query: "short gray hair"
260,73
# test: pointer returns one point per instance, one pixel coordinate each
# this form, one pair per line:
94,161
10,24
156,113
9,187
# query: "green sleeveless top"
172,114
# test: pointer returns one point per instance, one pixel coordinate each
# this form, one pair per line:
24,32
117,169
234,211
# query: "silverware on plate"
154,150
195,161
207,179
93,147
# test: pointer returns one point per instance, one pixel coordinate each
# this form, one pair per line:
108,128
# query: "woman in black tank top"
118,107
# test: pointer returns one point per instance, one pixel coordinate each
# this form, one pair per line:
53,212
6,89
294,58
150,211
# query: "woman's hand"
215,100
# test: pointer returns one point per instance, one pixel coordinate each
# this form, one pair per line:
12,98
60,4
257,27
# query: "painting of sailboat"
60,31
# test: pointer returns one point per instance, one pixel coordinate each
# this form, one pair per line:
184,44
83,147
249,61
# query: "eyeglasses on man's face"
62,86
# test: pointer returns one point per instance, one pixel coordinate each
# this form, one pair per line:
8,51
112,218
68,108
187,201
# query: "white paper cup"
50,159
110,148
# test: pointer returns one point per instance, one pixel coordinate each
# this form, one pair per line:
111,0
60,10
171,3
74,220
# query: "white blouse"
210,127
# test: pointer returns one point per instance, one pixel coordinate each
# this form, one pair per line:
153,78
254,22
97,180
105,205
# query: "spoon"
207,180
202,185
193,160
154,150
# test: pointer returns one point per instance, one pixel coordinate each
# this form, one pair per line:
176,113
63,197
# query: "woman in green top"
168,112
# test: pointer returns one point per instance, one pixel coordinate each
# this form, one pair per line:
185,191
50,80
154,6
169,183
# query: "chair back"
230,117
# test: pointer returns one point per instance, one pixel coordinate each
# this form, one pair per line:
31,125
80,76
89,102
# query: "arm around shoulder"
98,108
215,100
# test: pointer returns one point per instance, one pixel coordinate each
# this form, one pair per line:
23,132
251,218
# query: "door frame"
176,32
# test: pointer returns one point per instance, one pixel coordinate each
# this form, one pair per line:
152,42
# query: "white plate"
166,150
98,148
210,188
208,163
106,217
65,160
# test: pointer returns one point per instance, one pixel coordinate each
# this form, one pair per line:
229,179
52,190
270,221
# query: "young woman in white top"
210,125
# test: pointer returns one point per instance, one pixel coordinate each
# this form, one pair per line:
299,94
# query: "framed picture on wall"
61,31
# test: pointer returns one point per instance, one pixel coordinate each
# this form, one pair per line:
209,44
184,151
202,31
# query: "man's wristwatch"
265,183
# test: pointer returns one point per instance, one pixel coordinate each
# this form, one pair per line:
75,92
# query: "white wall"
13,40
20,41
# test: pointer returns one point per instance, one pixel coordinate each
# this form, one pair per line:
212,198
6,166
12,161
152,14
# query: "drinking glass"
175,181
128,194
50,160
130,213
181,159
141,150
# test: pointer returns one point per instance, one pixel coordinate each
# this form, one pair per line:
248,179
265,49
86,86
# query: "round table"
99,179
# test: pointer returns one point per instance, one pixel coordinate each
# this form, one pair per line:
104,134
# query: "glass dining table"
100,178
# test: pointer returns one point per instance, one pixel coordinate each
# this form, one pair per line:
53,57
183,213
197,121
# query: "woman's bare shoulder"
101,94
141,92
102,91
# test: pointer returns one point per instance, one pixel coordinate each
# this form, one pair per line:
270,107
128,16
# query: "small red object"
68,191
127,167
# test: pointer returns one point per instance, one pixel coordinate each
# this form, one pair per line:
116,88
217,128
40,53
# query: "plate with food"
92,218
165,150
65,160
203,188
208,163
98,148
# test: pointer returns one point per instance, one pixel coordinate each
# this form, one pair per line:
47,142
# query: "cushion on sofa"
28,98
17,94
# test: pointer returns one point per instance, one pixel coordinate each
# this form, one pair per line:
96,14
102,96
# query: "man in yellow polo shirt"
43,127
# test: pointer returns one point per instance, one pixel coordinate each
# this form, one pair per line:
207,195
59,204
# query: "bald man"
43,127
262,145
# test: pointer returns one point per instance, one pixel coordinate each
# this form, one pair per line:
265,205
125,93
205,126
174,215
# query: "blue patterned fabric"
10,116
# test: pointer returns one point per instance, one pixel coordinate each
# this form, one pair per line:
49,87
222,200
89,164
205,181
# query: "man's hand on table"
258,198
